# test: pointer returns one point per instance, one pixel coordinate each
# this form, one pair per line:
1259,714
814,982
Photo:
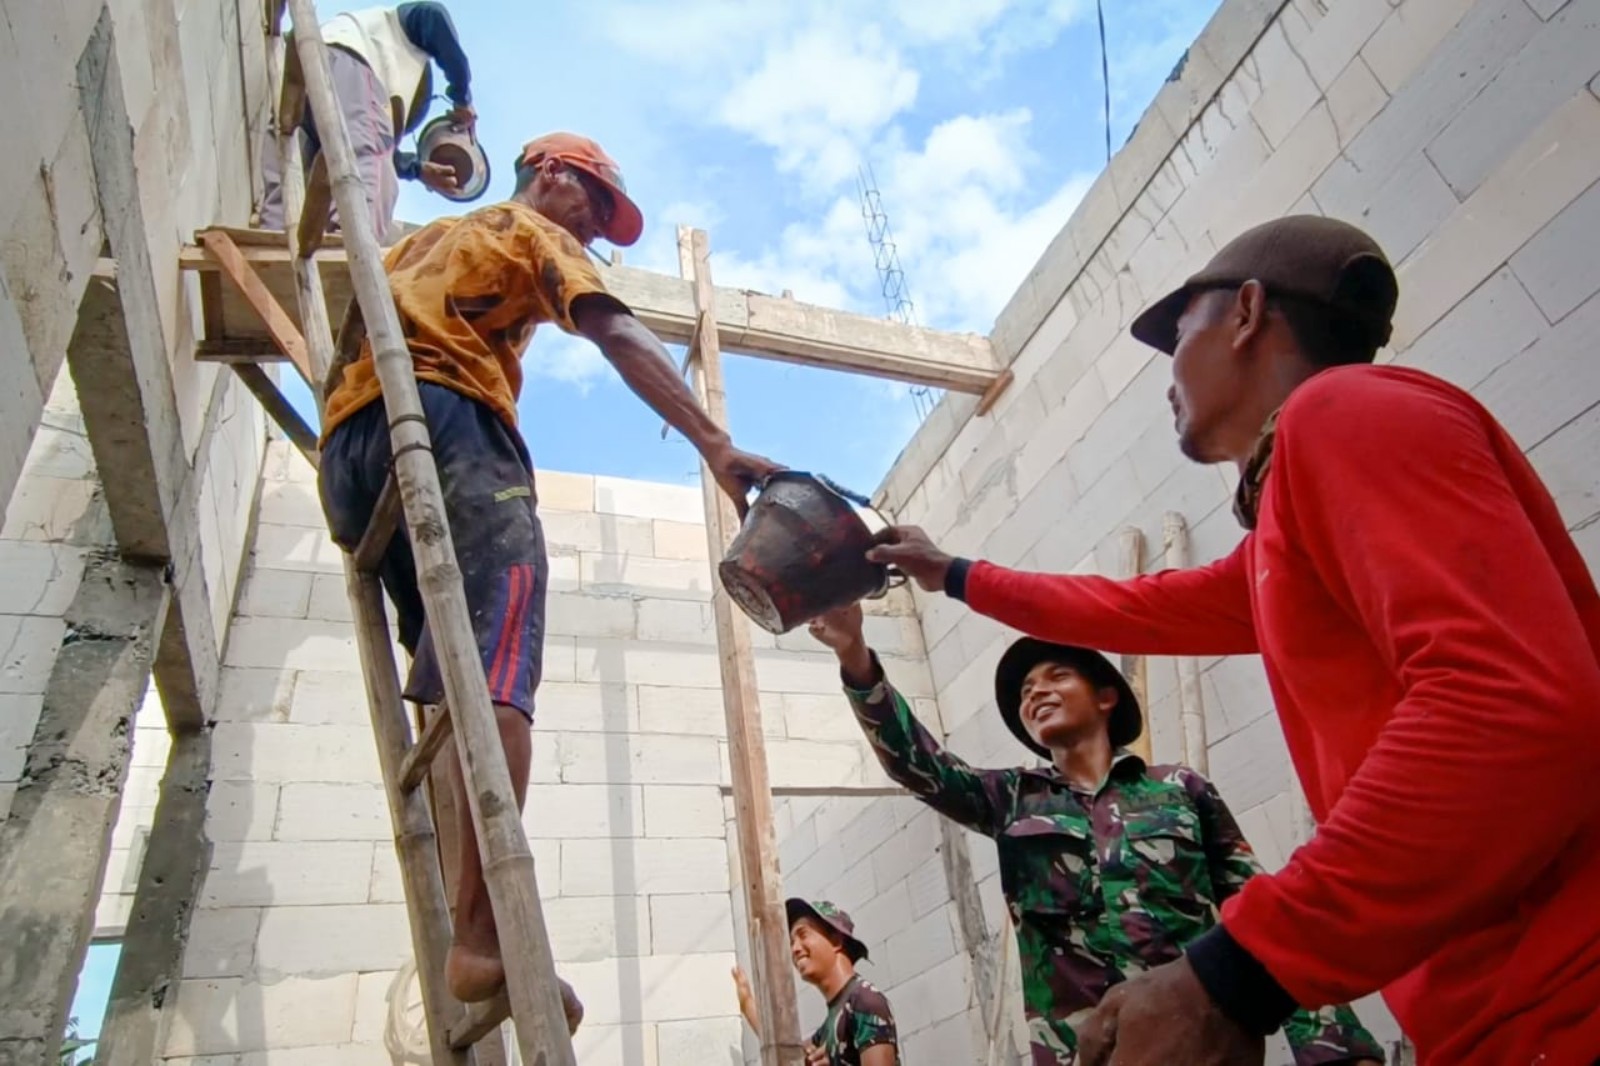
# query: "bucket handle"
897,577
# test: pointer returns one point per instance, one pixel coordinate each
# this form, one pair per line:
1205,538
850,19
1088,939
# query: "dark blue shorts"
490,502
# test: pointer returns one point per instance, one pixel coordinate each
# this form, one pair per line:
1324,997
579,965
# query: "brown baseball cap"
1306,257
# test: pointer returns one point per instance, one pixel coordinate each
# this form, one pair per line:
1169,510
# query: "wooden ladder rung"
317,210
420,758
479,1020
385,517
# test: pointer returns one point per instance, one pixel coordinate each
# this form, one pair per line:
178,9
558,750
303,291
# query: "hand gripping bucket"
442,141
801,553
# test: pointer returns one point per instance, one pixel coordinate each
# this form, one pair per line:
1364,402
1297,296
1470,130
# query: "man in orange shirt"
470,292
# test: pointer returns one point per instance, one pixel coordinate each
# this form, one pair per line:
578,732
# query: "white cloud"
562,357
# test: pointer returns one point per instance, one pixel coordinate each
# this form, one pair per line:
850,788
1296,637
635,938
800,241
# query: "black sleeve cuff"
853,684
1239,985
955,579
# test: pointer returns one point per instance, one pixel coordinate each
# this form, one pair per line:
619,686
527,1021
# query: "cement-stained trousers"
367,115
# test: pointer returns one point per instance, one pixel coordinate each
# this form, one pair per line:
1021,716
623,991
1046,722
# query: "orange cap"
627,222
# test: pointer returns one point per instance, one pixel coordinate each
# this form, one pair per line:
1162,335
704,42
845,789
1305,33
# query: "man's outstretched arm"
1201,611
648,370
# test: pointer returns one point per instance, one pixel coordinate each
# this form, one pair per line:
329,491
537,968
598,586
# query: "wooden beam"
747,753
419,760
280,327
280,410
748,323
996,389
317,211
380,528
1134,667
1191,705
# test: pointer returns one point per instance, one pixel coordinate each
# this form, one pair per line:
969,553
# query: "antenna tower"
891,278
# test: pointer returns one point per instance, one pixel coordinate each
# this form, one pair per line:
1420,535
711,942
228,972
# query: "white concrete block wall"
1462,133
625,810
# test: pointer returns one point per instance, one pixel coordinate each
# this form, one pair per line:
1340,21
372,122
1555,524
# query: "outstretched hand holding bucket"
801,553
912,552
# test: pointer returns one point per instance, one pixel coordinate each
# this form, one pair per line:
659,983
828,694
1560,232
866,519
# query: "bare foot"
572,1006
473,976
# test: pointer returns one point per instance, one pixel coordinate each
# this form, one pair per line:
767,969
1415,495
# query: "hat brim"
1157,325
1126,722
627,221
799,908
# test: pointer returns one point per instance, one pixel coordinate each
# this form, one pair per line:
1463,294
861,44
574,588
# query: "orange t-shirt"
470,291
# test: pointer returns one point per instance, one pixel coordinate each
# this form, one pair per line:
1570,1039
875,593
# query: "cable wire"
1105,72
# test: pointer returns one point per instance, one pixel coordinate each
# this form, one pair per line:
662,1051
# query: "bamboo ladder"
300,74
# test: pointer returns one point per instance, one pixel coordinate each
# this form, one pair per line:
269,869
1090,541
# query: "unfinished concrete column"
53,849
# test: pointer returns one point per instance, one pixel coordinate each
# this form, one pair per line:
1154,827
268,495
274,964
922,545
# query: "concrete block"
952,1037
642,867
797,844
1409,36
386,884
645,499
222,943
276,594
683,811
327,941
677,621
654,760
817,717
39,578
1551,167
881,919
1558,61
273,873
332,812
910,847
643,575
329,601
1557,266
1400,214
372,1006
598,927
241,810
28,647
616,1043
565,571
928,887
1339,35
1252,765
1354,98
253,751
292,503
296,548
1238,152
294,644
921,948
1497,321
229,1015
931,997
581,614
1565,461
851,885
56,509
1284,178
586,531
707,1040
329,698
691,925
570,707
680,540
1290,88
335,1055
564,492
810,764
583,811
1236,695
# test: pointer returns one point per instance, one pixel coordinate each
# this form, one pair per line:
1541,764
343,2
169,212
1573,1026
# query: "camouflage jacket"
858,1018
1099,886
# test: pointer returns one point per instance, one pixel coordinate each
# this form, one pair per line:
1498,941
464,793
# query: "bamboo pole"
1135,667
1191,705
747,753
507,861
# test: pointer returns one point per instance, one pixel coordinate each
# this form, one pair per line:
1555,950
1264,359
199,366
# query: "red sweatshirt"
1432,639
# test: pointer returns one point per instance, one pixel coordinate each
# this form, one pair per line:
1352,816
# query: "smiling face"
572,199
814,949
1060,705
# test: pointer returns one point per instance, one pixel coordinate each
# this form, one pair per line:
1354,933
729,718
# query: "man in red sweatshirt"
1432,639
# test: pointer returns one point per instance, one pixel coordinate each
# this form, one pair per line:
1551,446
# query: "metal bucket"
442,141
801,553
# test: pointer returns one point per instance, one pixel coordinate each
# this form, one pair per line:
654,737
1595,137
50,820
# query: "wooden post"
747,753
1134,667
1191,705
507,861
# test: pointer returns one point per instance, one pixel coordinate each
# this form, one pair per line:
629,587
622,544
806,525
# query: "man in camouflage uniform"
1109,867
859,1027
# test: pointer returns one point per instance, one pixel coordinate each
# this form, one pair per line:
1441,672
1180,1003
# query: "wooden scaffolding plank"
318,209
768,327
280,410
1134,667
747,753
283,330
508,864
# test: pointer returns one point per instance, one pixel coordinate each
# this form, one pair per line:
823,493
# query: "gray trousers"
364,105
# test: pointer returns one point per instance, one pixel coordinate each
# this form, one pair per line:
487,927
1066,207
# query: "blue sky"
981,119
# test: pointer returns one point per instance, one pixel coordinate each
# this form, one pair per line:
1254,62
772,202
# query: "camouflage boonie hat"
826,914
1126,722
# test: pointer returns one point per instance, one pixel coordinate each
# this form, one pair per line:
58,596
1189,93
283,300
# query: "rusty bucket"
442,141
801,553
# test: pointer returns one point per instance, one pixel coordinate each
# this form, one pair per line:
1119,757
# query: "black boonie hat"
1307,257
825,913
1126,722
